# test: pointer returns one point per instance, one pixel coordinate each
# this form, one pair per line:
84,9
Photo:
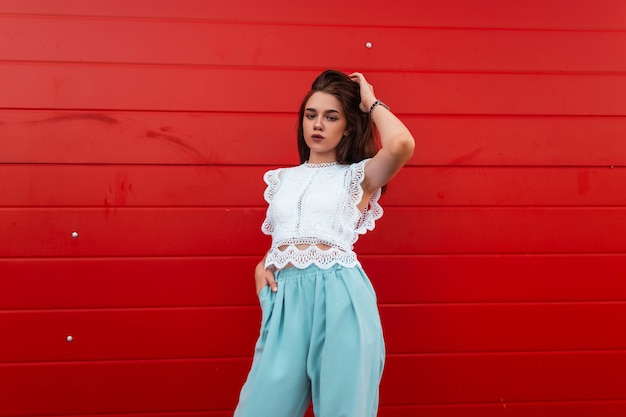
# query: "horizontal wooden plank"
498,278
506,186
496,409
504,327
535,14
121,387
509,409
132,185
33,136
191,282
210,186
236,231
123,232
135,87
569,409
127,282
151,138
497,378
518,140
501,230
68,39
194,385
227,413
127,334
114,334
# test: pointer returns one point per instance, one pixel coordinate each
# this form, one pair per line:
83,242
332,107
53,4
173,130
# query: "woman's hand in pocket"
264,276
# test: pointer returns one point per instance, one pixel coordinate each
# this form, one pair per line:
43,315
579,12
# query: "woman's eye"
331,118
310,116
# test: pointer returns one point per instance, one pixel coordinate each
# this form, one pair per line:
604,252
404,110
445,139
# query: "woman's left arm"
396,140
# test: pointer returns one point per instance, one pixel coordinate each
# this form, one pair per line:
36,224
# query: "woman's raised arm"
396,140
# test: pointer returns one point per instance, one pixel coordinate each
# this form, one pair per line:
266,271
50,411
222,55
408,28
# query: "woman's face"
324,125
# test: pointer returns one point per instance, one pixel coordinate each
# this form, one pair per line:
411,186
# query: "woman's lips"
317,138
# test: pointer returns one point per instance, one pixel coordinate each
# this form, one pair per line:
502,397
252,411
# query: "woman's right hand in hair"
367,91
264,276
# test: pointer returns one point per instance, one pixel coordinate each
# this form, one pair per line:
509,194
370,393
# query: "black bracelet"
378,103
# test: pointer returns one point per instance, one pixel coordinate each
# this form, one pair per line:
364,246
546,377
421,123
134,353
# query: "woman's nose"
318,123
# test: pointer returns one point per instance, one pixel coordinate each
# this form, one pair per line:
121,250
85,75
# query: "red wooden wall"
145,126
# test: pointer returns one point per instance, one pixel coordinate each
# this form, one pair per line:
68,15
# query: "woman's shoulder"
274,175
359,167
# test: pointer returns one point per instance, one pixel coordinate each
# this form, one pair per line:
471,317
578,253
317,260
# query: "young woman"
321,338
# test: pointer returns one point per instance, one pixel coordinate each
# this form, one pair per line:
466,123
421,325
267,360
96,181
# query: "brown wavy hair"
361,141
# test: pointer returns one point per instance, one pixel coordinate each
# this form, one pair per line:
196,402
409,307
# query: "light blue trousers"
320,340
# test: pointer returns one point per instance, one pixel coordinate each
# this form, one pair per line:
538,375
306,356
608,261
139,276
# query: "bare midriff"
305,247
301,247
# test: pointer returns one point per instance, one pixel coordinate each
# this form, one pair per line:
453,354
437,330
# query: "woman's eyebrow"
326,112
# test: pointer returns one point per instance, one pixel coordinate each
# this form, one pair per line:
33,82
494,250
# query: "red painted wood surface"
196,185
531,14
191,89
224,231
121,334
145,126
58,283
232,139
263,44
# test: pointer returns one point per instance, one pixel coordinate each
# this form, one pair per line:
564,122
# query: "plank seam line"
525,255
410,406
242,207
264,68
255,307
294,114
69,258
238,113
513,402
507,303
197,308
561,352
237,208
300,23
232,21
413,166
553,352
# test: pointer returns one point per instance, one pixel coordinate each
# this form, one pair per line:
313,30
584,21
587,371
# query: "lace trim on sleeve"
373,211
272,179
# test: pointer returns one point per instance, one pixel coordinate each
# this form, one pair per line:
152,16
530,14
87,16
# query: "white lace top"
314,204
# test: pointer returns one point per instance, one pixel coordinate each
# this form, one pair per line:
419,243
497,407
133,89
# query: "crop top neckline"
320,164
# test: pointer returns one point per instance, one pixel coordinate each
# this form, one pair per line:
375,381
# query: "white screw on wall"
69,339
368,45
74,235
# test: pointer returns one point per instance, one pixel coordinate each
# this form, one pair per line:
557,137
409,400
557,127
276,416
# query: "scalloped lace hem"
373,210
313,255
